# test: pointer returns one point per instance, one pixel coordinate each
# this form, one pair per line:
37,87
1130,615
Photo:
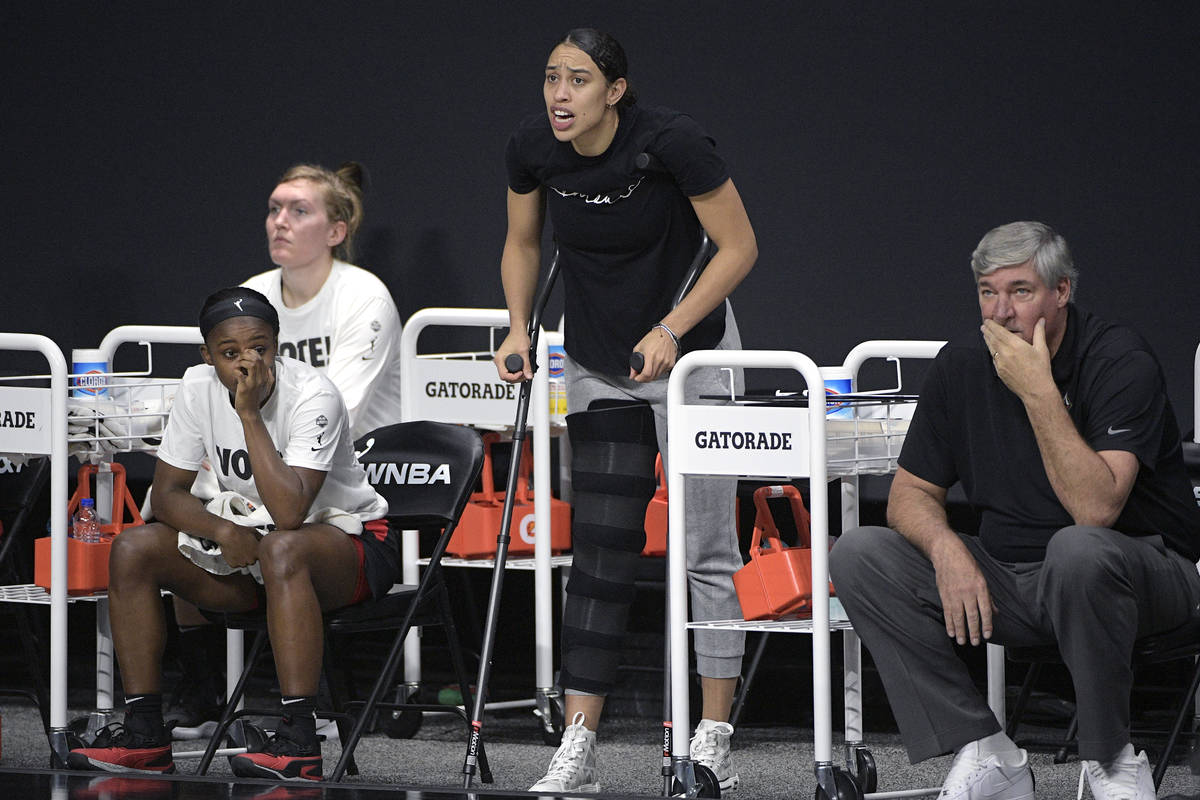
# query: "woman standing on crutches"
625,240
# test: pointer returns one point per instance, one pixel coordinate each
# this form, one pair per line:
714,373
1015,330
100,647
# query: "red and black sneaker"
281,757
116,748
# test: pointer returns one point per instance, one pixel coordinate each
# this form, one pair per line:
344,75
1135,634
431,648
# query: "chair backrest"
425,470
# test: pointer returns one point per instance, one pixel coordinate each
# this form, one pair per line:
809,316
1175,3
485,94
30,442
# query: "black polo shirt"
625,238
970,427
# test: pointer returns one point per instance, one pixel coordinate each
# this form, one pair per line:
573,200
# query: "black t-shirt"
625,238
970,427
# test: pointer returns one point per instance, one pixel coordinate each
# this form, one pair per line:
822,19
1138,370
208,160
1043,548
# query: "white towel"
234,507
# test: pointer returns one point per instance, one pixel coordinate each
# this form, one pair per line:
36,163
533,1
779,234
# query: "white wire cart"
727,440
464,388
126,417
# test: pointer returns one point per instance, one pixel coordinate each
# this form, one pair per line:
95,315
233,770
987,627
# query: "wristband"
670,333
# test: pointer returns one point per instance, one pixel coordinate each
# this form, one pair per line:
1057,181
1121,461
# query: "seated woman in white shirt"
277,434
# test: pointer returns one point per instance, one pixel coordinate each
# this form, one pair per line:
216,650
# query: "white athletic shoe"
710,747
573,768
987,778
1128,777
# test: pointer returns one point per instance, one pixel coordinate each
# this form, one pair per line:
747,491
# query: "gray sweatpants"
1096,592
712,544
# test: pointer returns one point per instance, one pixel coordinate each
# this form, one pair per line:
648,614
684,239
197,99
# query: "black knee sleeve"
612,480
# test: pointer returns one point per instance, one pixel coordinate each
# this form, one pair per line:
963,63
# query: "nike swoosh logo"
1114,431
368,358
315,449
129,700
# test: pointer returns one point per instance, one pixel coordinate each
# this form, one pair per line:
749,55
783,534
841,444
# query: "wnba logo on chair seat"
416,473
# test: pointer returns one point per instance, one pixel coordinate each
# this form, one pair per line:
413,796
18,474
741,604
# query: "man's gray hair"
1022,242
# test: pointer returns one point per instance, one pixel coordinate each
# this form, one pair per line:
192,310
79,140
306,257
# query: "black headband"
246,305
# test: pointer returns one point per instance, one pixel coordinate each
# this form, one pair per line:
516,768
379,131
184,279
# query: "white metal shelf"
528,564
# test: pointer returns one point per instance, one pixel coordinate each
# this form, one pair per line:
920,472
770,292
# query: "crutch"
513,364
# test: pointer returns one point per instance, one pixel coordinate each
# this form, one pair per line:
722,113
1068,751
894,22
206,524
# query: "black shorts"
379,561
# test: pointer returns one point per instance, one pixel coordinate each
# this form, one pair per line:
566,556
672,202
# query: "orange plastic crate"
777,583
475,536
87,565
87,562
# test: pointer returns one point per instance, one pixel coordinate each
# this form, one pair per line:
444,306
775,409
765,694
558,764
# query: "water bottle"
557,383
85,526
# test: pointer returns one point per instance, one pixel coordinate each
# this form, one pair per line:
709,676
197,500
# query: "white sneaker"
573,768
1127,778
710,747
988,778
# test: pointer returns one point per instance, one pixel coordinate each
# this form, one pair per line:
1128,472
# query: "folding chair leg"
231,703
1068,744
386,676
37,659
338,698
1018,710
1185,709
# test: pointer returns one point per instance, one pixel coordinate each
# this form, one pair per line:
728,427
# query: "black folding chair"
432,495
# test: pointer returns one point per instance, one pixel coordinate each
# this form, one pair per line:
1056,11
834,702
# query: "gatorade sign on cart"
90,369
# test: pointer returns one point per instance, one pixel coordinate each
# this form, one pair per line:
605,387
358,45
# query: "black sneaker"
117,748
283,757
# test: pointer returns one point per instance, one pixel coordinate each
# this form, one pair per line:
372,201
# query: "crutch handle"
513,362
637,361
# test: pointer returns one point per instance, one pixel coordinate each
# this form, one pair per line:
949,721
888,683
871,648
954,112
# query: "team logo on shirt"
322,421
375,325
604,199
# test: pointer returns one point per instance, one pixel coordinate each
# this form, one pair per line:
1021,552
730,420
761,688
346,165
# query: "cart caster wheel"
868,776
552,729
707,784
402,724
243,733
847,788
78,727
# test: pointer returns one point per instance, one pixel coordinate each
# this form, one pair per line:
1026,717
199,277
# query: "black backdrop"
873,143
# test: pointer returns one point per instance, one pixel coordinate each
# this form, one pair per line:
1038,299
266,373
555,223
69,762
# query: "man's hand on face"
1024,367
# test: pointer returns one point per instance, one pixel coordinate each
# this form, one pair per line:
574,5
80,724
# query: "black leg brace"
612,478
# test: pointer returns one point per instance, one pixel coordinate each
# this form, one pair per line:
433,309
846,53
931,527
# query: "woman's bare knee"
282,554
139,553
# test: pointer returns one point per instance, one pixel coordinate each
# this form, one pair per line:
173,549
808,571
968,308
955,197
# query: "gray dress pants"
1096,592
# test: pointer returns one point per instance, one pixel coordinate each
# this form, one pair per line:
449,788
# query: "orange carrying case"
656,516
777,582
87,562
475,536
